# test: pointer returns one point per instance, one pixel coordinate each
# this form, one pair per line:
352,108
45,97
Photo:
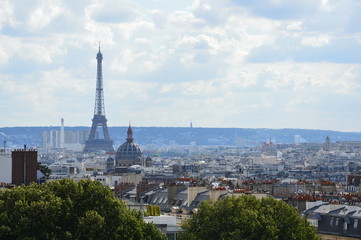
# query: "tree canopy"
44,170
65,209
247,218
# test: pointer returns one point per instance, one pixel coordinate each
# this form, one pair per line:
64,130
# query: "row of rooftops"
178,197
179,203
334,198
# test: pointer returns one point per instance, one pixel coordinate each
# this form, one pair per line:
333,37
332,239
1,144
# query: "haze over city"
246,64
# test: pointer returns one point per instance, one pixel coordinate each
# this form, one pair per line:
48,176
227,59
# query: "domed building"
129,153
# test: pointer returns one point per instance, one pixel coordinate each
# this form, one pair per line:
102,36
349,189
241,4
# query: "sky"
215,63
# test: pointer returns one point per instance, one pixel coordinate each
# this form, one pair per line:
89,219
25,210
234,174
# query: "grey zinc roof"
346,210
159,198
150,192
158,194
182,194
323,209
129,192
356,214
203,196
336,210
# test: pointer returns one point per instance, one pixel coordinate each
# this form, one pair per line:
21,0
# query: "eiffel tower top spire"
99,108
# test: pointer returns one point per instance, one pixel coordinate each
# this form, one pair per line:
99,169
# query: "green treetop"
65,209
247,218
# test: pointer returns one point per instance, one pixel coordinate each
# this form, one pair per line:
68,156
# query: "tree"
65,209
152,211
247,218
44,170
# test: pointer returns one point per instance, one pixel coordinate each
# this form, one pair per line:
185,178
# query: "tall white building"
298,139
240,143
62,133
54,139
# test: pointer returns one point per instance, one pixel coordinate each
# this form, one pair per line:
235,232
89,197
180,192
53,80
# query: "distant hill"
18,136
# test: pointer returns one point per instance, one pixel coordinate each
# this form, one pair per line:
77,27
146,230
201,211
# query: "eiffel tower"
94,144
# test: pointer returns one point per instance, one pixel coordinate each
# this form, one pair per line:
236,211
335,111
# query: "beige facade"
192,193
333,237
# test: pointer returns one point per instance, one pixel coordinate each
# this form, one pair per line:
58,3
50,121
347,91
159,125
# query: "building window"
355,223
331,221
337,220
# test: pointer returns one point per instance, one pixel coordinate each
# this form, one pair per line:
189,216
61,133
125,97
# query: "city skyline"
260,64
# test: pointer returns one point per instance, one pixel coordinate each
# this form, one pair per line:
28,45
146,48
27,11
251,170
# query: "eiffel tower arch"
95,144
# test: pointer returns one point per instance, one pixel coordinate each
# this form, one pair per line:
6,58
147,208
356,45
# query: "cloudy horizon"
226,63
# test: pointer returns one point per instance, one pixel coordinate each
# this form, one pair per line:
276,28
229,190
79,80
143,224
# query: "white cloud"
326,6
297,102
317,41
295,26
197,89
6,12
44,14
4,56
